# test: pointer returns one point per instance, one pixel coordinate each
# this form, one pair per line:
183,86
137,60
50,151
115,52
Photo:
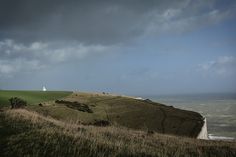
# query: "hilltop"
133,113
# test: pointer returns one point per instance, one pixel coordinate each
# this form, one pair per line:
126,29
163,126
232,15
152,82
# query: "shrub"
75,105
17,102
101,123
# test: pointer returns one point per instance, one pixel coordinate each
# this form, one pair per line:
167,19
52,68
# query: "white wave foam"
213,137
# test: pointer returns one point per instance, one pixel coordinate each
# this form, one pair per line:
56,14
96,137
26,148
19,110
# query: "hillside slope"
90,108
27,133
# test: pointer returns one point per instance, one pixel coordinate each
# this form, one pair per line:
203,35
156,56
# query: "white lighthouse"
44,89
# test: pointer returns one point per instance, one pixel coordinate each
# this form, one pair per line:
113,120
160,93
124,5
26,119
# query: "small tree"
17,102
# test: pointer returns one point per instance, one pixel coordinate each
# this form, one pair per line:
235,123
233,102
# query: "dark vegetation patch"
16,102
101,123
150,132
75,105
98,123
148,100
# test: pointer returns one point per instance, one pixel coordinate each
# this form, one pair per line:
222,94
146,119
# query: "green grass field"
32,97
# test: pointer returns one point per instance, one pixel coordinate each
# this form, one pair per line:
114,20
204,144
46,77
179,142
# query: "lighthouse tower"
44,89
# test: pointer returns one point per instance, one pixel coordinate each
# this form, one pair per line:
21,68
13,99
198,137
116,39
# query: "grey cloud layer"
103,21
17,56
38,33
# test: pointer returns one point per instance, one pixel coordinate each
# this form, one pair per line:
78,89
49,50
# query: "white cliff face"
203,134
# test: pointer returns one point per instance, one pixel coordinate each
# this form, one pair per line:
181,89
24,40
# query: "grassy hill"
96,108
124,111
95,124
28,133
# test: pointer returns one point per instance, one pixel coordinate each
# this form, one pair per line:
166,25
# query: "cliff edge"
203,133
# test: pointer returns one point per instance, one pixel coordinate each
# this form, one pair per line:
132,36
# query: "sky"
133,47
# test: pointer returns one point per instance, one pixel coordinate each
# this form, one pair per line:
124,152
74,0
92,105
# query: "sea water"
219,110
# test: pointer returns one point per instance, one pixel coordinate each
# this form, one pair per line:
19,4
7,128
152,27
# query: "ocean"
219,110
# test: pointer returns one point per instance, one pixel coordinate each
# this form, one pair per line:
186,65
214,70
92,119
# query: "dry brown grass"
70,138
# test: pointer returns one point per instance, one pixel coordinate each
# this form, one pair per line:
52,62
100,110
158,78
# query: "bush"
75,105
101,123
17,102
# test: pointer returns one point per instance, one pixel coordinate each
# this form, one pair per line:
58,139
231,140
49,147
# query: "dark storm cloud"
92,21
88,21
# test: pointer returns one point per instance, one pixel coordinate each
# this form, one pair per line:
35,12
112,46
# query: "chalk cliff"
203,133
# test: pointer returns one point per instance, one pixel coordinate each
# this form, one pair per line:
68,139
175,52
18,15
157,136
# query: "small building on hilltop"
44,89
